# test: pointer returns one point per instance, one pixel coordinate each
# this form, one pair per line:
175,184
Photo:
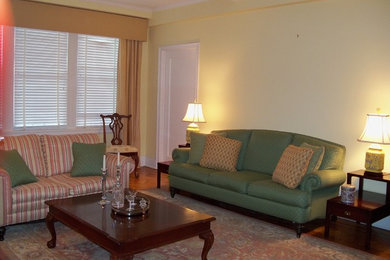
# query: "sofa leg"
299,230
2,233
173,191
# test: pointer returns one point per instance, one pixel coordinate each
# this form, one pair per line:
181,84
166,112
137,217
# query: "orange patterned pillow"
220,153
292,166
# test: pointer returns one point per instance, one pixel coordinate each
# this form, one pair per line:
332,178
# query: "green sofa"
252,187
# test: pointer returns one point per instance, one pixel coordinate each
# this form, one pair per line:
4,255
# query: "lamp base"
191,128
375,160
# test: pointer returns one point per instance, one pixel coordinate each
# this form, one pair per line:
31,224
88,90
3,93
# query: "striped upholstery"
127,166
29,148
33,195
5,196
25,203
76,186
58,150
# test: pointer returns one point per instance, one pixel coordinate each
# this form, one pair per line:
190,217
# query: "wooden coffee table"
123,236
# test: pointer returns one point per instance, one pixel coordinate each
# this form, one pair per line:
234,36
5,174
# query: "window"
40,78
62,80
97,78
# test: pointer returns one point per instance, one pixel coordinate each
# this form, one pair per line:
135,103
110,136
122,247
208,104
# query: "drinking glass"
131,198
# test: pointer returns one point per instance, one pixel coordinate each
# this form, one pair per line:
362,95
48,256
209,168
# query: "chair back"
115,125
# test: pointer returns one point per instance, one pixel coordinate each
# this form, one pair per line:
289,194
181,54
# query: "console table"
368,207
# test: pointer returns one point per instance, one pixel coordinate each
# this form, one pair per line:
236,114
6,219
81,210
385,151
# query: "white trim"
164,104
148,162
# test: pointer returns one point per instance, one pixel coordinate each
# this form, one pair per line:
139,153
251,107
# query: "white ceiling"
146,5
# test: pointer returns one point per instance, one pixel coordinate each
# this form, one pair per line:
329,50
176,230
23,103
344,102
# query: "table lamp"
376,132
194,115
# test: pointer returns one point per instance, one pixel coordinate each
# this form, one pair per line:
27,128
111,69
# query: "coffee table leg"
50,225
114,257
208,238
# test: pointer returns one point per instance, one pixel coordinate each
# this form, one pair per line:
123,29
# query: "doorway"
177,86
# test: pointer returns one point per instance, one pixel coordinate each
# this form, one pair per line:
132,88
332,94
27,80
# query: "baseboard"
148,162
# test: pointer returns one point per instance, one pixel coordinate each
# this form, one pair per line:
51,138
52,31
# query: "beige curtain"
128,99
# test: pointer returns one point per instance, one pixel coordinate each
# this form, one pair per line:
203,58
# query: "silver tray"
136,211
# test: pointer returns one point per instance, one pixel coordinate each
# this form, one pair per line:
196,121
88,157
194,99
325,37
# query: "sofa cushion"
33,195
316,159
82,185
88,159
17,169
270,190
220,153
292,166
58,150
29,147
190,171
240,135
238,181
264,150
334,153
198,141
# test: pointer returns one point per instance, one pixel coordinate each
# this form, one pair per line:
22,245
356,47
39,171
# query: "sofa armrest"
127,166
322,179
5,197
181,154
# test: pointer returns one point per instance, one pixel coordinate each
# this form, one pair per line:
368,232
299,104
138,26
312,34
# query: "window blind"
40,78
62,79
97,59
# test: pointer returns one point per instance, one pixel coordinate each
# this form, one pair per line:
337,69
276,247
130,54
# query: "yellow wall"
316,67
312,67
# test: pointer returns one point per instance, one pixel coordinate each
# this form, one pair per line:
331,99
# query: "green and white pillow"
87,159
18,171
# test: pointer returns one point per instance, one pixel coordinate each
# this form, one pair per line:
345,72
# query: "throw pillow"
316,159
18,171
87,159
198,141
292,166
220,153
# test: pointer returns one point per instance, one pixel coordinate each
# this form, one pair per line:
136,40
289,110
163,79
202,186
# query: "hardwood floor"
342,231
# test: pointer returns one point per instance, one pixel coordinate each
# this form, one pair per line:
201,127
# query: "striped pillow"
28,146
57,150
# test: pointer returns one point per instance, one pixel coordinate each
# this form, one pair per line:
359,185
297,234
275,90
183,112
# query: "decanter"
118,195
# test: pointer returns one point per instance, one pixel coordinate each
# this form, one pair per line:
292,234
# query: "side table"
368,207
162,167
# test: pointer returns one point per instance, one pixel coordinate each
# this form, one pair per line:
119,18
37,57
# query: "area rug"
236,237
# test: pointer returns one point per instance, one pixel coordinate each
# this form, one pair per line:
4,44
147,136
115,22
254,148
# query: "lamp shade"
194,113
377,129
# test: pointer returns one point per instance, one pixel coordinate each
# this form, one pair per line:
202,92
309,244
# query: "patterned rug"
236,237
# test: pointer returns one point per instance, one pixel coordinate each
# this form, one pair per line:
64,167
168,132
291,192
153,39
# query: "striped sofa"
50,159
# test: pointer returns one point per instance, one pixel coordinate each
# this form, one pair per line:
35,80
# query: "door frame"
163,95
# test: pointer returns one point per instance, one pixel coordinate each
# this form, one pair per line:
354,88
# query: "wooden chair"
116,146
